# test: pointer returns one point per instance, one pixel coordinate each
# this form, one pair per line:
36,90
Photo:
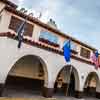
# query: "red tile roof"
9,3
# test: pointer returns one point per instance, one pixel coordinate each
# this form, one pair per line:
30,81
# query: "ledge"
42,46
49,42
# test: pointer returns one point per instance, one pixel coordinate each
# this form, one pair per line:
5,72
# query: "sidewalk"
42,98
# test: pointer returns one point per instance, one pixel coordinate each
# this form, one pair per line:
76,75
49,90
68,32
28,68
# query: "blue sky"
78,18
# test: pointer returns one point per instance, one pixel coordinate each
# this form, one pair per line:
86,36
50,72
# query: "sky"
77,18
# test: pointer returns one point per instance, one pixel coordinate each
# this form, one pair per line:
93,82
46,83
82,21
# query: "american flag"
95,58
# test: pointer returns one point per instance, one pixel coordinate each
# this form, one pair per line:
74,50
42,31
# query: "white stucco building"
40,58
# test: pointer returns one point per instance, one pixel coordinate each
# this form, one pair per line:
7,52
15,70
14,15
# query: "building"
39,63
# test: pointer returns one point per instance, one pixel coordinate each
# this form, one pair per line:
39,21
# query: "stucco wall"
4,24
2,5
9,53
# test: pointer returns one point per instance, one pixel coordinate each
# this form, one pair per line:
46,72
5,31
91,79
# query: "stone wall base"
79,94
47,92
98,95
90,91
1,89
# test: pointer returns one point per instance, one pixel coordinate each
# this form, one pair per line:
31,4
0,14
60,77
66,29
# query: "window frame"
47,39
15,22
85,54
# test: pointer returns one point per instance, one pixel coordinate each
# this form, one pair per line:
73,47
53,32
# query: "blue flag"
67,51
20,32
96,54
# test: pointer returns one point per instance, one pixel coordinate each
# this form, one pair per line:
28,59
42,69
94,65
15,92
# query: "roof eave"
38,22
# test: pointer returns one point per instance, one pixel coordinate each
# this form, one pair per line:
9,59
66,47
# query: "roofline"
38,22
13,5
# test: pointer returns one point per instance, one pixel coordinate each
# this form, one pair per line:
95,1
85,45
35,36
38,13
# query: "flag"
67,51
96,59
20,33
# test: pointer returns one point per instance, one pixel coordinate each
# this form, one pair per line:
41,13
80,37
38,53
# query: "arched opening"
91,84
26,77
67,81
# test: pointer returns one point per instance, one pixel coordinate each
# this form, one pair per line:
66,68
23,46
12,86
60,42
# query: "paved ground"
41,98
17,94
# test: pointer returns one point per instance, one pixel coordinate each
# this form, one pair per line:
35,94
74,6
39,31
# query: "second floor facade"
35,30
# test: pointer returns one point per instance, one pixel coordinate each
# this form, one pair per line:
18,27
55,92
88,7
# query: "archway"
91,84
27,76
67,81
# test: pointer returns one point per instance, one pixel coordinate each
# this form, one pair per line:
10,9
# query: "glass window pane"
73,45
49,36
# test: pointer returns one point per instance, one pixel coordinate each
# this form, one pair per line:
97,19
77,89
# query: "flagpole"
67,56
69,80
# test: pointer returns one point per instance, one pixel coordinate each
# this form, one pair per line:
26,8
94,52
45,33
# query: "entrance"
62,88
26,78
71,87
90,85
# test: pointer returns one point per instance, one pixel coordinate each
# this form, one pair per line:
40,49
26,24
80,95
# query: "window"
49,37
15,24
85,53
73,45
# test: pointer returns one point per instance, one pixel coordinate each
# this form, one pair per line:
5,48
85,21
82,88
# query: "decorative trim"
3,34
42,46
36,21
